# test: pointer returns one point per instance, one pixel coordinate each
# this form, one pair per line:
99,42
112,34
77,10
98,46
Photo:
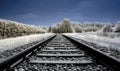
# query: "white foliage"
117,27
11,29
77,28
63,27
107,28
67,26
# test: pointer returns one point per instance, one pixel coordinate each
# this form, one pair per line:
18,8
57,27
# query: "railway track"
58,53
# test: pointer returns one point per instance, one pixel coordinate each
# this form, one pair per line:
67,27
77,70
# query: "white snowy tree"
63,27
66,26
77,28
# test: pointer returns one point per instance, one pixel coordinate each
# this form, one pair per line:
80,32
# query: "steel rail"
103,58
5,64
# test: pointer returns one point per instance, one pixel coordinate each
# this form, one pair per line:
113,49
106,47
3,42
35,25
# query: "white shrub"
107,28
77,28
11,29
117,27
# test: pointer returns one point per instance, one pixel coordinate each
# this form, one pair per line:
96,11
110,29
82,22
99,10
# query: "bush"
12,29
117,27
107,28
66,26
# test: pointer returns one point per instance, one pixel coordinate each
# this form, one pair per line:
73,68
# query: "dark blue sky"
49,12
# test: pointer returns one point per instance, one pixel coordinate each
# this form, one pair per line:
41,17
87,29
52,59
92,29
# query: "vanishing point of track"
59,53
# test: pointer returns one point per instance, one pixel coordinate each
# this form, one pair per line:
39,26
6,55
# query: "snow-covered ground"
94,37
10,43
